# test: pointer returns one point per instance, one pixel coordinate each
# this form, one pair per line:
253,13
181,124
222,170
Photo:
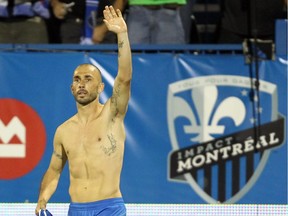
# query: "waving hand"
114,20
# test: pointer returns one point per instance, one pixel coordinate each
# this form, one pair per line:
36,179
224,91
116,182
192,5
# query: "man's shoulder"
67,123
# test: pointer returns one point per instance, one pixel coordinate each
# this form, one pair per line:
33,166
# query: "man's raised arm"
121,91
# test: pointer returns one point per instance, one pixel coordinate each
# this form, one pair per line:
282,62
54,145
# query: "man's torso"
95,155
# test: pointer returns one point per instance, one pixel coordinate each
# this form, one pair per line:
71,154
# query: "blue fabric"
23,10
107,207
90,21
39,8
44,213
3,11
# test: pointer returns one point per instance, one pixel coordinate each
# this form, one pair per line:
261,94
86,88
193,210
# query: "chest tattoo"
112,146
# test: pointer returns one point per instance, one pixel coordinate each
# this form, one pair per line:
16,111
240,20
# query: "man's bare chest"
95,140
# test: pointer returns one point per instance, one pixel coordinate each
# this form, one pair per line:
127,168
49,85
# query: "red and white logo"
22,138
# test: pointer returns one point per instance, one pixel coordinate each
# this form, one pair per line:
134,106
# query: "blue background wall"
42,81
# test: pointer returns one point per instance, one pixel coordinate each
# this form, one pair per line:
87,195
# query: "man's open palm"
114,20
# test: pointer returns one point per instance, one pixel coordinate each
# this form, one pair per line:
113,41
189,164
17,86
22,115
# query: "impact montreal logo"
214,124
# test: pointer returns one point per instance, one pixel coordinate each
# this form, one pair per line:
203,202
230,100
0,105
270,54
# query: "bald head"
89,68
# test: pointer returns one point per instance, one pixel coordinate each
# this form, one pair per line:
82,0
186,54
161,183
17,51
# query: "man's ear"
100,87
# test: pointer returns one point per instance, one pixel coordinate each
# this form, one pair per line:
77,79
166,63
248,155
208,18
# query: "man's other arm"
51,178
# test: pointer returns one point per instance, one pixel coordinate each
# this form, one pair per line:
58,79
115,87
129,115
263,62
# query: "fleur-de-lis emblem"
205,100
212,110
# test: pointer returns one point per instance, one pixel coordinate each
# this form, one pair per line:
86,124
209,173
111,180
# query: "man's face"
86,85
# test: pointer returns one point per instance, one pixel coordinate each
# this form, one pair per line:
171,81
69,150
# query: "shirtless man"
93,139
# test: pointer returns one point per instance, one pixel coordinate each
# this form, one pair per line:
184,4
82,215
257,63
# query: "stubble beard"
85,101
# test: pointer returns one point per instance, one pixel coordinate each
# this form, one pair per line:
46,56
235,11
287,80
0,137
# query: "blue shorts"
107,207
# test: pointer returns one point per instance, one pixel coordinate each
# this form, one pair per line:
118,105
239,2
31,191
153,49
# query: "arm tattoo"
120,44
114,98
57,155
